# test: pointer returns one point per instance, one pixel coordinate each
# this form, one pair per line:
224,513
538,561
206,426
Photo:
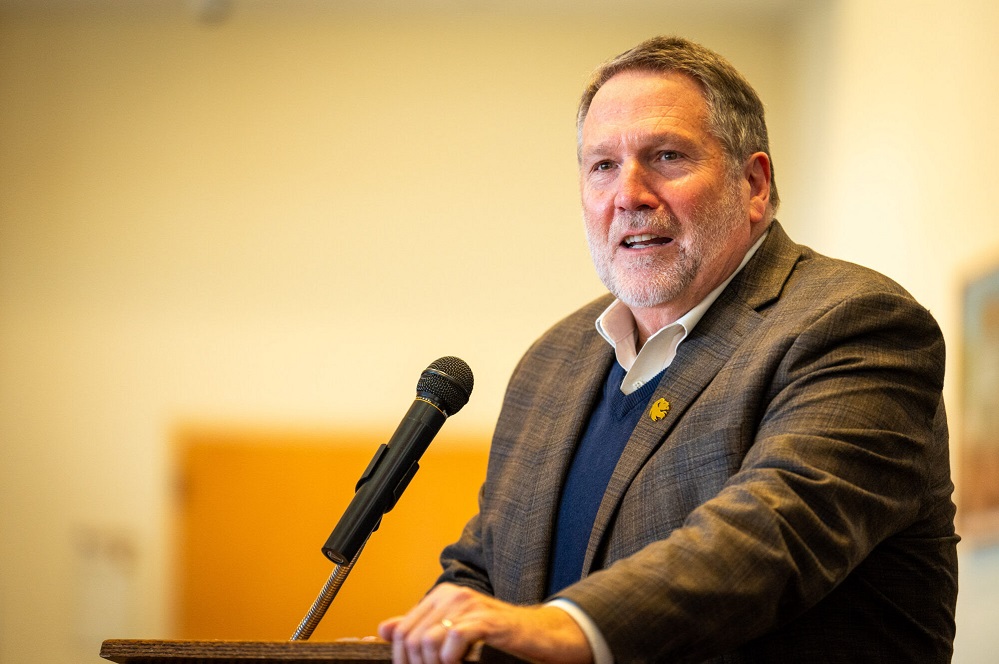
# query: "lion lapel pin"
659,410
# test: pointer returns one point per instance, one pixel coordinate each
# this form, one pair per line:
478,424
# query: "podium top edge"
141,651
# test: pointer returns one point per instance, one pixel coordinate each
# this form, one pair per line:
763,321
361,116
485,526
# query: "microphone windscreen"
447,382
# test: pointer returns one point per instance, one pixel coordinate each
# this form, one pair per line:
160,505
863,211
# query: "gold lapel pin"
659,410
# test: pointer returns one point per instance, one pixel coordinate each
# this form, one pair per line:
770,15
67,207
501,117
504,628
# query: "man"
744,460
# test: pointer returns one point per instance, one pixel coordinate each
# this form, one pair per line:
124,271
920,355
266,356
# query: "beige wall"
282,218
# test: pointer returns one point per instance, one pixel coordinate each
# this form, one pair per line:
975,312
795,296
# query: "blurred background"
233,233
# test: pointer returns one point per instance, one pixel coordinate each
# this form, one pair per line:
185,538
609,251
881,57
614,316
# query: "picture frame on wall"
978,489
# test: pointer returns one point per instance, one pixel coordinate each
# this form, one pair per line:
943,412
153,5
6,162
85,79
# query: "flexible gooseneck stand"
326,596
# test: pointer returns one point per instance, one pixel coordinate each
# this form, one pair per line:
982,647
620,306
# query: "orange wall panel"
254,509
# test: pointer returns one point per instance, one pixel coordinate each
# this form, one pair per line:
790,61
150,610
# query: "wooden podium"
127,651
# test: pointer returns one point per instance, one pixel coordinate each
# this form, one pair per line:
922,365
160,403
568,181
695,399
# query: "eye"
603,165
669,155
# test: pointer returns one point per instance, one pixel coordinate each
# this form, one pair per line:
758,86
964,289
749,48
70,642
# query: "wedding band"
447,624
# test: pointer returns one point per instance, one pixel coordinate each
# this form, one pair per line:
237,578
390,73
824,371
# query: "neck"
650,320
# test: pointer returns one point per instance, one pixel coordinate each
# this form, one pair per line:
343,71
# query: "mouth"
645,240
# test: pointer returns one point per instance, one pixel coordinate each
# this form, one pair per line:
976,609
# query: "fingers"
460,638
432,642
432,632
427,643
387,627
450,619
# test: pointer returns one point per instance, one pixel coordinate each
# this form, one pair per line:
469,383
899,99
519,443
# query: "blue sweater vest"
611,423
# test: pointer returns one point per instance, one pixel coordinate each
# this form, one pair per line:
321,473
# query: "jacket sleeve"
464,561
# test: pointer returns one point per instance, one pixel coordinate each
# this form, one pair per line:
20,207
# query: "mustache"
659,222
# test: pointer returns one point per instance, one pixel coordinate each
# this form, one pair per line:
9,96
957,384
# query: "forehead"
640,102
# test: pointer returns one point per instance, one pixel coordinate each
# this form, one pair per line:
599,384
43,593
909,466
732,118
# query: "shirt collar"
617,326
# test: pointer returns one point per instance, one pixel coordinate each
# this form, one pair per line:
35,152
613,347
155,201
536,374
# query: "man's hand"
445,624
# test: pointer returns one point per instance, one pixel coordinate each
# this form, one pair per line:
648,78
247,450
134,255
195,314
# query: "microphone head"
447,383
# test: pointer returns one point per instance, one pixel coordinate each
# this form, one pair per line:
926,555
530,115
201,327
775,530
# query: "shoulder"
790,275
580,323
570,335
559,356
799,302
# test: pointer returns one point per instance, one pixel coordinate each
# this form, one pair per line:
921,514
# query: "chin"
647,295
644,300
648,289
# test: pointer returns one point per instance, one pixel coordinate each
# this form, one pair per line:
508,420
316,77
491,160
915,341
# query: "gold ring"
447,624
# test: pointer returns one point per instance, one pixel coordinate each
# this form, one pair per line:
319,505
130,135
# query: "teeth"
636,239
644,240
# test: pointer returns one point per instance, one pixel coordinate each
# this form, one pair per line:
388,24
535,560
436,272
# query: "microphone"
443,388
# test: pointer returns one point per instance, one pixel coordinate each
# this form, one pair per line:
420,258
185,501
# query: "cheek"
687,198
593,199
596,230
598,210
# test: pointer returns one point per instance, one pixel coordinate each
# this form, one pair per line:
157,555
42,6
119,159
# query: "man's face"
666,214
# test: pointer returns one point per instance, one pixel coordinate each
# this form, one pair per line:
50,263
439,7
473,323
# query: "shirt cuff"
598,644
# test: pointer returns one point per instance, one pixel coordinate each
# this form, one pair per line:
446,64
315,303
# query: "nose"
634,191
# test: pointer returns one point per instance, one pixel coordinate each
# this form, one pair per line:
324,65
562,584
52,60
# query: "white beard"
650,280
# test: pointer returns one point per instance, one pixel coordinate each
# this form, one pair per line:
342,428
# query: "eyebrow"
646,138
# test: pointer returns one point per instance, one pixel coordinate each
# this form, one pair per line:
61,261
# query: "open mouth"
645,240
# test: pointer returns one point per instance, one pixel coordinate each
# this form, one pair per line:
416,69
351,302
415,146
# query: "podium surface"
131,651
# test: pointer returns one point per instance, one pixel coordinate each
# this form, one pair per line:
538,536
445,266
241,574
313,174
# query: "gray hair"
735,112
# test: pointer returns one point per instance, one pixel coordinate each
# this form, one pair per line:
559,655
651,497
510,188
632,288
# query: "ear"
757,174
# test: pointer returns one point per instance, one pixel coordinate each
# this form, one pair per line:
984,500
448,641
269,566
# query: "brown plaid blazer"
793,505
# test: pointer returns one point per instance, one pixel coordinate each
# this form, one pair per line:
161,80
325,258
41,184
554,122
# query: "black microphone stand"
443,389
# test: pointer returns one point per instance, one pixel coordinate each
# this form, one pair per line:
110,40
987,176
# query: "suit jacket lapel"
581,384
699,358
